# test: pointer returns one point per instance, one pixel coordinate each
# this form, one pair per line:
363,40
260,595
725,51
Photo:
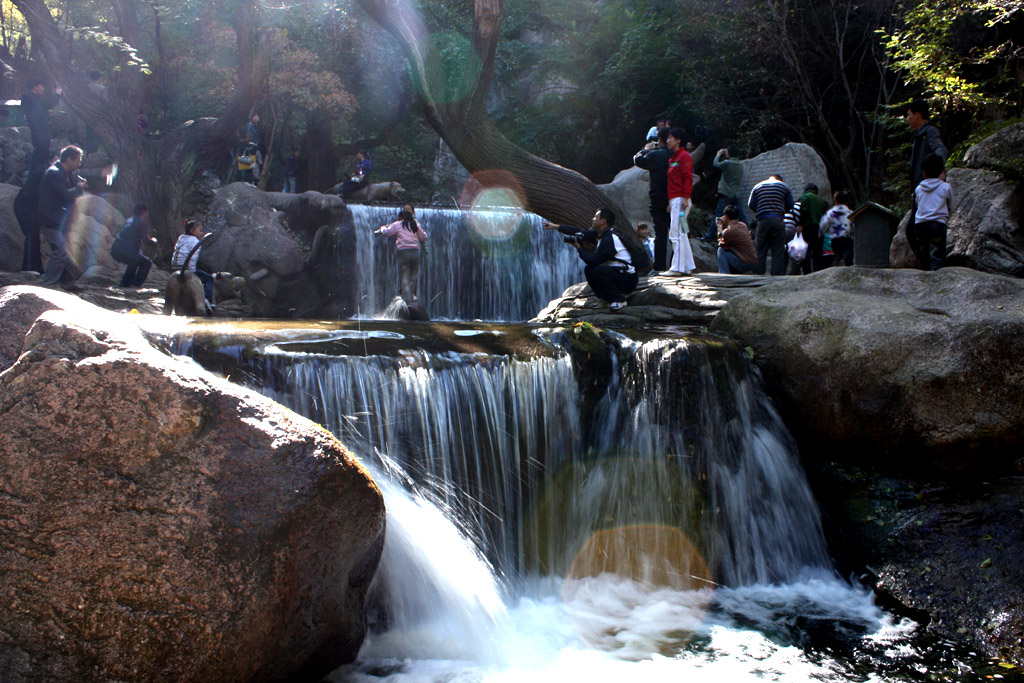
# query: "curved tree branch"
552,191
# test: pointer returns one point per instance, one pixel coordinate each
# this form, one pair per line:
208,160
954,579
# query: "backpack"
641,262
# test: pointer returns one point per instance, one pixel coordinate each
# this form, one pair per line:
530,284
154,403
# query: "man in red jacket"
680,187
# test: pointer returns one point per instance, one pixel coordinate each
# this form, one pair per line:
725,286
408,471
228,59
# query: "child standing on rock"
934,199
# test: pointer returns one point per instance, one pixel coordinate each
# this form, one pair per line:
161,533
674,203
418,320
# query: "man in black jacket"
59,189
927,140
654,159
609,269
36,105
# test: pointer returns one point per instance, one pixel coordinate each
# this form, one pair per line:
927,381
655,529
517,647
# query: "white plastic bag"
797,248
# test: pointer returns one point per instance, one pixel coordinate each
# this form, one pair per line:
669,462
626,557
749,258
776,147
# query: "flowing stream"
628,511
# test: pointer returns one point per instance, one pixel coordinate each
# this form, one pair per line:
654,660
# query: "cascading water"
636,514
480,265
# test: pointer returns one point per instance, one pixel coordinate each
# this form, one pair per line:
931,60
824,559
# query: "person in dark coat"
127,248
59,189
654,159
26,210
36,105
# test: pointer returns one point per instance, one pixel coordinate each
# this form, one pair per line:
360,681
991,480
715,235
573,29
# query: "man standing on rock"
36,106
654,159
59,189
927,140
680,187
770,200
728,188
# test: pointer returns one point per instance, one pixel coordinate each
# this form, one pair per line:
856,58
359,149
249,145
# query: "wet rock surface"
942,550
160,523
658,299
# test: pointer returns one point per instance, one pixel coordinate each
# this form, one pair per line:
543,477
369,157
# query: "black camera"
571,239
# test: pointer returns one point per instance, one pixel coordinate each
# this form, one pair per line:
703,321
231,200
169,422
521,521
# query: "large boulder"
269,238
658,299
250,235
985,227
91,230
12,241
630,190
892,363
1000,152
15,154
797,163
159,522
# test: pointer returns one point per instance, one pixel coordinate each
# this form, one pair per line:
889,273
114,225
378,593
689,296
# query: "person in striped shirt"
770,200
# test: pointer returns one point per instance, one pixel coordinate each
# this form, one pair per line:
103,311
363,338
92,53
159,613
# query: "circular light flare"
497,204
647,576
649,554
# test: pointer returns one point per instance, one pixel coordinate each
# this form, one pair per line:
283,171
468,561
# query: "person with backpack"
186,256
612,268
410,239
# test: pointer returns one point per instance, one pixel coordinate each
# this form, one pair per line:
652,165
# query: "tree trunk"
156,172
558,194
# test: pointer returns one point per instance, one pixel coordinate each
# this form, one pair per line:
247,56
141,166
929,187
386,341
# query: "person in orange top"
680,187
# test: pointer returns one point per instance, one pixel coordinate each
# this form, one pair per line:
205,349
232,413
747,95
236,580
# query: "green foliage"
964,52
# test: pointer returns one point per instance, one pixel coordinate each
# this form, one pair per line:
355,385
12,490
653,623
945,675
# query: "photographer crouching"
609,271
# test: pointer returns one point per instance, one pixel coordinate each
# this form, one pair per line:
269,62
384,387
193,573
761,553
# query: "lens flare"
85,237
648,576
497,202
649,554
460,68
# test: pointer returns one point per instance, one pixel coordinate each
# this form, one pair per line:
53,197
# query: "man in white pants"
680,187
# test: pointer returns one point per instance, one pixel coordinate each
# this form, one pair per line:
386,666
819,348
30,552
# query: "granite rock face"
797,163
984,230
271,239
162,524
984,227
892,363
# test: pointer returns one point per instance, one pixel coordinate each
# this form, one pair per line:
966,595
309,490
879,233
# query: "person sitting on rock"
127,247
359,178
736,253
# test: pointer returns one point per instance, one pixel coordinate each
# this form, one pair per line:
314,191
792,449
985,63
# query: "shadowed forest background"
575,82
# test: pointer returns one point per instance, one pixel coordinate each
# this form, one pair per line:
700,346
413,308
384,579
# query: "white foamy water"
611,630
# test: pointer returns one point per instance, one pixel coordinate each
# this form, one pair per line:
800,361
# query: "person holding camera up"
609,269
59,189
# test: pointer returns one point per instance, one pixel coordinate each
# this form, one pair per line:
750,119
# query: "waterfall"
480,265
612,510
679,472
